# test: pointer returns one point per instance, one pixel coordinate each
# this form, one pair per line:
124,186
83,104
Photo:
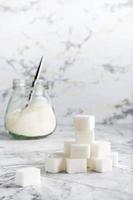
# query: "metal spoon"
36,77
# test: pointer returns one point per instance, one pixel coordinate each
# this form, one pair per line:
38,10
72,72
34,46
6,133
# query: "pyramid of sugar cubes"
83,153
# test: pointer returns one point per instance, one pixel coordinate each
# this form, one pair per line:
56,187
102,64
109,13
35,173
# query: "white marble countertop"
114,185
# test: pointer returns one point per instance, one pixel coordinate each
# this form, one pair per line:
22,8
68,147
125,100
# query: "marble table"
114,185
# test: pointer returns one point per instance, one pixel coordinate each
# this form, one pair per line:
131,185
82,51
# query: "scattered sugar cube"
114,157
100,148
55,163
67,146
101,164
28,176
84,122
87,137
76,165
80,151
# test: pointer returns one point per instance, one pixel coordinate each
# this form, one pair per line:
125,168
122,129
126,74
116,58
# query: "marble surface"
115,185
87,45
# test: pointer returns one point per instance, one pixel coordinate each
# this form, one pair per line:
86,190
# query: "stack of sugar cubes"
83,152
79,155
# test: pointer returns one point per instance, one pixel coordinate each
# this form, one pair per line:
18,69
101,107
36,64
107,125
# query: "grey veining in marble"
87,45
115,185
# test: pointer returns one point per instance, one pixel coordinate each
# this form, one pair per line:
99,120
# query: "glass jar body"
29,120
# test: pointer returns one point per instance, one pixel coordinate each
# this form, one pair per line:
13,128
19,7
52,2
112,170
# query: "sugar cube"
101,164
76,165
100,148
84,122
86,137
28,176
55,163
67,146
80,151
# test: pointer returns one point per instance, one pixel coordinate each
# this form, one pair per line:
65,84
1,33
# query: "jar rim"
18,82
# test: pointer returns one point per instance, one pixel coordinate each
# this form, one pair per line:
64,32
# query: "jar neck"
23,85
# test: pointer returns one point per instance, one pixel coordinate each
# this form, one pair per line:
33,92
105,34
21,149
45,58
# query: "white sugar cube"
28,176
80,151
101,164
55,163
84,122
76,165
87,137
100,148
114,157
67,146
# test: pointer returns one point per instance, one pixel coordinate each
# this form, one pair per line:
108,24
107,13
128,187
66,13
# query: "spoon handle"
36,77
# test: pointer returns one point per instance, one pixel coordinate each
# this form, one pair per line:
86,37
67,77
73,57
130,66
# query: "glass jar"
29,119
